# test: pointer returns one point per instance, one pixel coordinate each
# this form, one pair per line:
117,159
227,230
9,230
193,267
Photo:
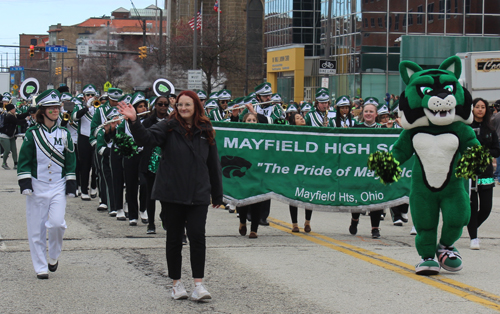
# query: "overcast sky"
35,17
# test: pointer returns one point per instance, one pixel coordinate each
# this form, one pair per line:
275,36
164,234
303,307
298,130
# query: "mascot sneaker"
449,258
427,267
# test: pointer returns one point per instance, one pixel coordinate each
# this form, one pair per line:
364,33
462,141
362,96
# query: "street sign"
56,48
195,79
50,86
107,86
15,86
82,50
324,82
327,67
16,68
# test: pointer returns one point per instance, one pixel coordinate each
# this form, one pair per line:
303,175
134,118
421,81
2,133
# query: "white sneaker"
404,217
413,231
93,193
144,216
179,292
85,197
120,215
200,293
113,213
474,244
133,222
398,222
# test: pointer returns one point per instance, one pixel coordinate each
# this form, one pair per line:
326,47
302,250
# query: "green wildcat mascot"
435,111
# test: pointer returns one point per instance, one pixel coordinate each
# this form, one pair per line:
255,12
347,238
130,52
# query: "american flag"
198,21
216,6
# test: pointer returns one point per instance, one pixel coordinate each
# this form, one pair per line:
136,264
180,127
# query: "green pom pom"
385,167
473,162
125,146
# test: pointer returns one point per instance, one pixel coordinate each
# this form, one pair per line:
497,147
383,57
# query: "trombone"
244,106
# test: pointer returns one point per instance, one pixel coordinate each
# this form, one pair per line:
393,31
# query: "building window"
420,9
448,9
380,24
404,21
430,9
441,10
396,22
467,6
372,22
366,22
410,18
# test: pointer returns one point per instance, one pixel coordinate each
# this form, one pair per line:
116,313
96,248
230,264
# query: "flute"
244,106
117,119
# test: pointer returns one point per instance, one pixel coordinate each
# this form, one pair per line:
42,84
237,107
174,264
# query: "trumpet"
244,106
119,118
66,116
96,103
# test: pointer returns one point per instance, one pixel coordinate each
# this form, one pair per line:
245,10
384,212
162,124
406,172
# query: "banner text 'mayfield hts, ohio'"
301,146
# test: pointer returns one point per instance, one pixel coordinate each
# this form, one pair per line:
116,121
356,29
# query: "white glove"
27,192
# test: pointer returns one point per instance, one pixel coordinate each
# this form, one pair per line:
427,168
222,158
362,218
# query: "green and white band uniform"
317,118
103,111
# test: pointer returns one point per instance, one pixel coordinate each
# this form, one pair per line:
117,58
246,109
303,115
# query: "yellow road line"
441,282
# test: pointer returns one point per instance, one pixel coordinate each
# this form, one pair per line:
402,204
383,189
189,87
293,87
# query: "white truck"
481,74
4,82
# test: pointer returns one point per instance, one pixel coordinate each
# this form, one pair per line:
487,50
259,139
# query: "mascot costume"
435,112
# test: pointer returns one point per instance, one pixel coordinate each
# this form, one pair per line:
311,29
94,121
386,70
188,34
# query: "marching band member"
202,95
305,108
84,113
131,169
320,117
46,174
211,105
292,108
151,157
189,174
101,115
8,131
344,118
267,113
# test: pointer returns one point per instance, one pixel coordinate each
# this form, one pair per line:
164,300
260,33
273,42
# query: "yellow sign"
107,86
285,60
15,86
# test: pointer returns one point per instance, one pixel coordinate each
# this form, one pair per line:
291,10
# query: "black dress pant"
105,187
479,211
374,217
85,157
131,169
255,211
116,164
176,217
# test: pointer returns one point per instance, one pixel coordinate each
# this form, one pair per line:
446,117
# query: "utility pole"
107,48
195,37
161,42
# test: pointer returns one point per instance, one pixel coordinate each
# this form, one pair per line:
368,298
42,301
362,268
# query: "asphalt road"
108,266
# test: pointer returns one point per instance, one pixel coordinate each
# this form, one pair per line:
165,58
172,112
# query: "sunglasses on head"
161,104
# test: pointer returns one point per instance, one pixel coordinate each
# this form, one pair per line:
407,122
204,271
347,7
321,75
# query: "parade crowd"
128,151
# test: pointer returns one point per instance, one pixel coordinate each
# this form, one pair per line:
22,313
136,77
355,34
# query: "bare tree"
225,52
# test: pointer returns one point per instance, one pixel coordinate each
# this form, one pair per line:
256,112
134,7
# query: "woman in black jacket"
188,174
483,188
8,131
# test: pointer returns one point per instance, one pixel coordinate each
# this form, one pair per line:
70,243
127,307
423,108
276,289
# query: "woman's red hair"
200,120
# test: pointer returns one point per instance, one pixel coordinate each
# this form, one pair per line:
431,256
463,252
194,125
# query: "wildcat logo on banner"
321,168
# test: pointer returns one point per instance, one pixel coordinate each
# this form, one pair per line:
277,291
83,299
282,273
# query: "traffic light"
32,50
58,70
143,52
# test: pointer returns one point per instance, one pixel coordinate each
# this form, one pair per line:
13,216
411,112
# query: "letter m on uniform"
58,141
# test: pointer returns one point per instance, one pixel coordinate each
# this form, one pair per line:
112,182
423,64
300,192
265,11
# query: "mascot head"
434,96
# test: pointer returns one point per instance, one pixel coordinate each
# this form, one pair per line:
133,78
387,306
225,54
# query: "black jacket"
487,137
11,121
189,171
